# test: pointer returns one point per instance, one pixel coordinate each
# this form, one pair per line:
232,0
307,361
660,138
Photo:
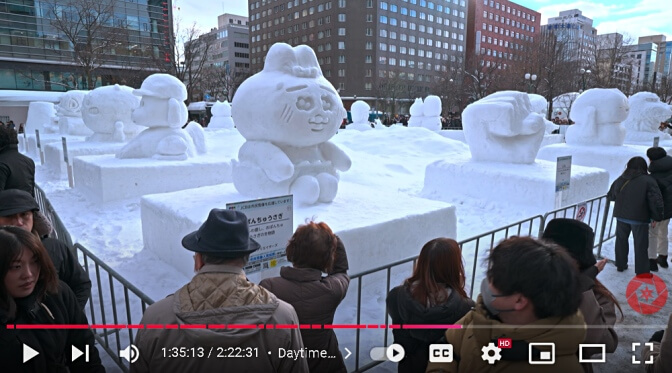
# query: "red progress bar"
233,326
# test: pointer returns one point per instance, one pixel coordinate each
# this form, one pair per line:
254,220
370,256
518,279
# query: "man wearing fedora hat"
18,208
236,319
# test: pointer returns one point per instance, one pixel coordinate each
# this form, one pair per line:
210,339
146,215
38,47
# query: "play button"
28,353
395,353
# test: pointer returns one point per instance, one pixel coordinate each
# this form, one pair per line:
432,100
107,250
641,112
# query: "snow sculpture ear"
280,58
307,60
177,113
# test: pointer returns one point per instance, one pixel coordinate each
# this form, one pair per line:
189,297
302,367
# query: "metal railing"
479,244
598,214
104,304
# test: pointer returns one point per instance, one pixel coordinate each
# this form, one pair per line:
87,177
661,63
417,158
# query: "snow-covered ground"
391,159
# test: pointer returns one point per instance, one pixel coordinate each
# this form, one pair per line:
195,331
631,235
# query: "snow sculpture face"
360,112
105,106
646,112
41,116
598,114
432,106
162,103
300,107
221,109
502,128
71,104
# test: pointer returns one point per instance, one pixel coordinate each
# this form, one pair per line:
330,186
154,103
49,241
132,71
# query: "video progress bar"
233,326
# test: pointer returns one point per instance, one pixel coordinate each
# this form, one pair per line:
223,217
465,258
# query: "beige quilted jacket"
219,295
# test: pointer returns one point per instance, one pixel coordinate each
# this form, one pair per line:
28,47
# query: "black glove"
657,336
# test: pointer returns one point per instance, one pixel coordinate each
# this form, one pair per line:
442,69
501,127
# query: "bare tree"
559,66
89,26
612,68
189,58
222,82
393,88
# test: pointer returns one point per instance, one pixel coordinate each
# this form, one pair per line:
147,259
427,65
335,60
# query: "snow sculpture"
540,106
107,112
41,116
221,116
646,114
432,113
416,110
360,116
288,148
162,109
69,111
597,114
501,127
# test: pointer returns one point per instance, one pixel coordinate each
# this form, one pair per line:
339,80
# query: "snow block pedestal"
610,158
53,154
45,138
523,184
103,178
375,225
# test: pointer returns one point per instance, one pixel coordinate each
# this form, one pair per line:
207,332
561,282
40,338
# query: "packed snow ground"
389,159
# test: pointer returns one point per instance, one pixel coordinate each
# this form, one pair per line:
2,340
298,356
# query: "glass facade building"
35,55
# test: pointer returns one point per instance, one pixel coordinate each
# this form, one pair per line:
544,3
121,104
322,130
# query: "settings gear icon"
491,353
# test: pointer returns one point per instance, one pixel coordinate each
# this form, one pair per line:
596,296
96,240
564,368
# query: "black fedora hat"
223,235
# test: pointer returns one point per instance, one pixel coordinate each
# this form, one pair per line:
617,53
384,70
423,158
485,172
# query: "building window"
369,3
341,31
341,59
368,86
341,3
341,17
369,45
341,45
368,59
341,73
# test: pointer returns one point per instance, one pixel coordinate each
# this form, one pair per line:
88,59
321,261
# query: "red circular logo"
646,294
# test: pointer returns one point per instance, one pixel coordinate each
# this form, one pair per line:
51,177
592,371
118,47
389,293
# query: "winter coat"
403,309
69,270
219,295
599,312
661,353
16,170
637,198
661,170
478,330
315,299
53,345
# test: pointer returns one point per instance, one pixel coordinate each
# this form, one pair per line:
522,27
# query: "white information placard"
563,173
271,223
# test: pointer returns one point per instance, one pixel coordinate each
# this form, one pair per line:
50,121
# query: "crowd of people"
535,290
10,124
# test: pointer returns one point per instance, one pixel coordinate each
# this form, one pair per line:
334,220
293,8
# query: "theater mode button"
395,352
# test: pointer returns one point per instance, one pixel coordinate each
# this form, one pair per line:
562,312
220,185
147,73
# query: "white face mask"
488,297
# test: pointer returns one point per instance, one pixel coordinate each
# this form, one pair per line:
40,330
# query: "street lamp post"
530,79
584,72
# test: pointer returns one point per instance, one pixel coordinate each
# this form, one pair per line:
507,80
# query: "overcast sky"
632,17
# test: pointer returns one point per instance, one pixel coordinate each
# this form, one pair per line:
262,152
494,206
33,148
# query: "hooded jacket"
661,170
219,296
16,170
315,299
479,330
403,309
637,198
53,345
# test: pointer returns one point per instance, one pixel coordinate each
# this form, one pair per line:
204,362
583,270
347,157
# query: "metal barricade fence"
480,244
103,307
104,304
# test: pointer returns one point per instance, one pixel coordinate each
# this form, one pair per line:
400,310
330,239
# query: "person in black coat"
638,202
18,208
434,294
16,170
31,294
660,167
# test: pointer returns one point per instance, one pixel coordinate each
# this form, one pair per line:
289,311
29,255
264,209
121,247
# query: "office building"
371,49
35,55
499,31
577,33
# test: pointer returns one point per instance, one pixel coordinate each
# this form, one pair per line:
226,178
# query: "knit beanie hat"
575,236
